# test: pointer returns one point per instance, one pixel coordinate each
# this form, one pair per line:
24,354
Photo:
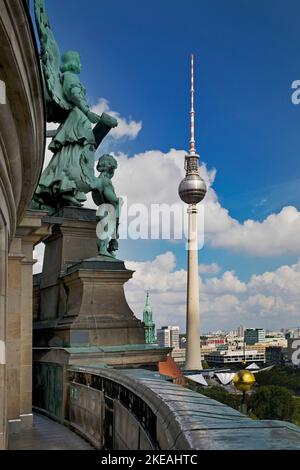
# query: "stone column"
193,353
13,336
26,336
30,231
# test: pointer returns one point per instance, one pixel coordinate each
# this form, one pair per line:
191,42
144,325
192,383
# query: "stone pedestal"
95,308
97,312
79,298
73,239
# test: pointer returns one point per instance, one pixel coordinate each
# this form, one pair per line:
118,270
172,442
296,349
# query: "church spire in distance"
150,336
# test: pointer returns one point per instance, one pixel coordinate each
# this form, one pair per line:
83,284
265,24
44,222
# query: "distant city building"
175,332
292,333
268,343
149,324
168,336
213,341
274,334
274,341
179,355
254,335
260,347
240,331
209,349
163,338
234,357
230,334
276,355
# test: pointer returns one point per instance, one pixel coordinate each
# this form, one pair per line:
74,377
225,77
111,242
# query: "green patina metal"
70,173
150,336
73,392
112,349
48,388
104,195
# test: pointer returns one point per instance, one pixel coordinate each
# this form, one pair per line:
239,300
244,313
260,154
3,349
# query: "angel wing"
57,106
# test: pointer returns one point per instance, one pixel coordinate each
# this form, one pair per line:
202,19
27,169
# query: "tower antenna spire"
192,141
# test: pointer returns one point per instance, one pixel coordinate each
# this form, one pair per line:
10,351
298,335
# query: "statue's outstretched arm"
110,195
75,97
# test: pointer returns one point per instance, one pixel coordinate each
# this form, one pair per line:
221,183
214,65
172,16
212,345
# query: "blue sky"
136,55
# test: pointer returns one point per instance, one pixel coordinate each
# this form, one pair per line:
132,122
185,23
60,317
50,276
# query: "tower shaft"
193,352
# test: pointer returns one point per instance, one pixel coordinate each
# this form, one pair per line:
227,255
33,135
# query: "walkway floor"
47,435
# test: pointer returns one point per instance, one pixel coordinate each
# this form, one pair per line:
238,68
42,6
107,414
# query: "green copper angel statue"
69,175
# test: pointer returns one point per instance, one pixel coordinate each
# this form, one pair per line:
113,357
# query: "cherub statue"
66,179
104,196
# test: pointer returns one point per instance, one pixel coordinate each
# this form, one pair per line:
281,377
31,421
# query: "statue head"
107,164
70,62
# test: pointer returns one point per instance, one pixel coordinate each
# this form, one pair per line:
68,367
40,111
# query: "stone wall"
104,411
107,423
137,409
3,289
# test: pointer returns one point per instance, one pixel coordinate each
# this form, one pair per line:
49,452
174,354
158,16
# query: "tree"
284,376
273,402
297,414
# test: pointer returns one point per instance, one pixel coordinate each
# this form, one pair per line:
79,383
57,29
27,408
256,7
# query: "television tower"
192,190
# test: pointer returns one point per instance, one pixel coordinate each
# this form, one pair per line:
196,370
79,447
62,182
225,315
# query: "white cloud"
227,283
212,268
276,235
225,301
48,154
285,281
153,177
270,299
219,308
38,254
126,127
158,275
265,304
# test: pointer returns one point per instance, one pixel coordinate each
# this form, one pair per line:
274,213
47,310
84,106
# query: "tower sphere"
192,189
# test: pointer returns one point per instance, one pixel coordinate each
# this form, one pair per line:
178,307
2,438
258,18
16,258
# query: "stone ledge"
202,430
